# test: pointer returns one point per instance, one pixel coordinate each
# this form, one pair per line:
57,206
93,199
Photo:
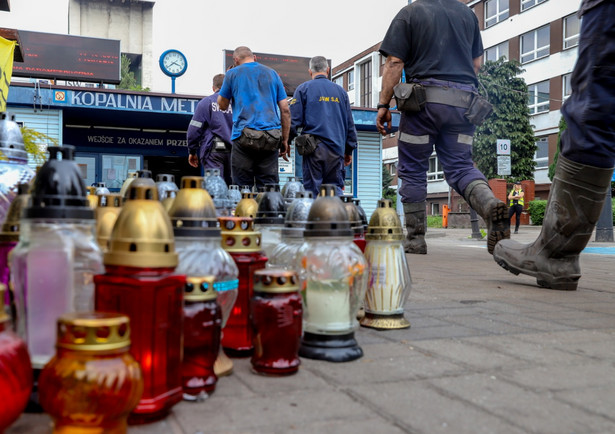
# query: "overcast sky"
201,29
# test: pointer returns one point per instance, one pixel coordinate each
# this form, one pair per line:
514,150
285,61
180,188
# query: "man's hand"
347,160
193,160
285,150
383,121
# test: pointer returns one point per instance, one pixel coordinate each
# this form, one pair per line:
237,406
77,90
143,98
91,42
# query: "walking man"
515,206
328,137
209,134
585,163
438,43
260,134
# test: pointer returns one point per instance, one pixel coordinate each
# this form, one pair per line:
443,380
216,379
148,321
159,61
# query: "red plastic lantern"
139,282
244,245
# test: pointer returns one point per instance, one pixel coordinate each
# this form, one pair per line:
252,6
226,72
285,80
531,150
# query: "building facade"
542,35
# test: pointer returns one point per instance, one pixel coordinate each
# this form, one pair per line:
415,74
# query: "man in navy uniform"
260,133
209,134
322,110
438,43
585,163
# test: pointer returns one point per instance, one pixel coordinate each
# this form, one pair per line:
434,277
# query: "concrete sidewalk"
488,352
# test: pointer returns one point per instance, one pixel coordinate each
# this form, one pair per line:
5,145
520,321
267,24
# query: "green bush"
434,221
537,211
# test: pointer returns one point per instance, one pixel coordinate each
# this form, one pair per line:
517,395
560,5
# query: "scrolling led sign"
66,57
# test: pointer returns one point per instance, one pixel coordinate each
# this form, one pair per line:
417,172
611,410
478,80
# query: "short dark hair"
517,182
319,64
218,80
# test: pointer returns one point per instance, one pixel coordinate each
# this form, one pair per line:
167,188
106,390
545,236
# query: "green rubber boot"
493,211
416,224
574,206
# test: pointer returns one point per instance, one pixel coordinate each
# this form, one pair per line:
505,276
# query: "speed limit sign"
503,147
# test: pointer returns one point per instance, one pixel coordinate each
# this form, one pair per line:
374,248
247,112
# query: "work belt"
449,96
219,145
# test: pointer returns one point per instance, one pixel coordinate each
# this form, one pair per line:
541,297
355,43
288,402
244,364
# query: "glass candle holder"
276,317
202,330
15,370
93,382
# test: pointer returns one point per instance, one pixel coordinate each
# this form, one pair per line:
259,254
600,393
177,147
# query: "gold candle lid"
384,224
193,213
239,236
247,206
93,331
3,315
107,211
276,281
200,288
11,225
142,236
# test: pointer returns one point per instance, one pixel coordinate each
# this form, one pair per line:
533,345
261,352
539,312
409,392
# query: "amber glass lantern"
243,243
15,370
107,211
202,331
93,382
276,317
139,282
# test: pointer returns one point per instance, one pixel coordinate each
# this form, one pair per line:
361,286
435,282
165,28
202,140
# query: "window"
526,4
572,28
435,208
497,51
351,79
392,168
542,153
366,84
495,11
535,44
434,173
567,85
538,97
339,80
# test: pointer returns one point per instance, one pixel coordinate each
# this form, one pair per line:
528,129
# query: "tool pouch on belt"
410,97
479,110
260,140
306,144
220,145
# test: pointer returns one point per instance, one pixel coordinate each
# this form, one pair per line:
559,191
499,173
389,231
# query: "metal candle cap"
328,216
353,215
276,281
384,224
11,225
107,211
193,213
11,139
271,208
142,235
291,188
247,206
93,331
362,213
297,215
239,236
165,177
144,174
59,191
200,288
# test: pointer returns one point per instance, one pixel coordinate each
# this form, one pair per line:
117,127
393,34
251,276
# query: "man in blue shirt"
209,134
260,134
322,109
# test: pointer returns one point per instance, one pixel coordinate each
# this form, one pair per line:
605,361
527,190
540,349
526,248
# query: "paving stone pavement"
488,352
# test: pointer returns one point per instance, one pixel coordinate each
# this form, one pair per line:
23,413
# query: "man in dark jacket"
209,134
322,110
438,43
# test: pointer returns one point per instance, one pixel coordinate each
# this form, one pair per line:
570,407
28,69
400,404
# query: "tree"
387,191
127,77
562,128
510,120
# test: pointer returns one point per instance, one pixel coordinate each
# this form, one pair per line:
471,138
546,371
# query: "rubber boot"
416,224
575,202
493,211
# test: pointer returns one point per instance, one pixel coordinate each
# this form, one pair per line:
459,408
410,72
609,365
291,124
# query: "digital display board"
292,70
67,57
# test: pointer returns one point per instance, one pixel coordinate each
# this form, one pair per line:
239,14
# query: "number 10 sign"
503,147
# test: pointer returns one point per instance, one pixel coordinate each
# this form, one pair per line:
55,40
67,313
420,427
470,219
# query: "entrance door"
87,165
176,166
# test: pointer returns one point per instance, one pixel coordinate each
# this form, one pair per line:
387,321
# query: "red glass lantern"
202,330
277,317
15,370
93,382
139,282
244,245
